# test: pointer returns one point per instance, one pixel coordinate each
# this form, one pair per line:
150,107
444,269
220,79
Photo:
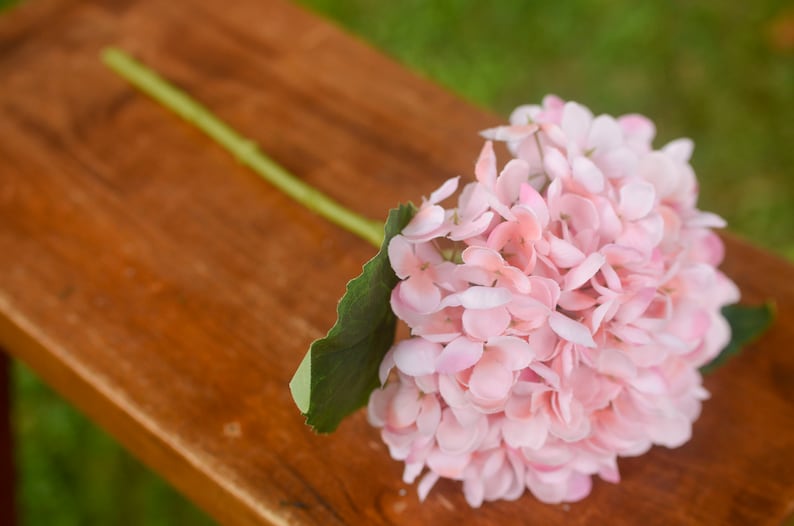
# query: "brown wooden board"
170,293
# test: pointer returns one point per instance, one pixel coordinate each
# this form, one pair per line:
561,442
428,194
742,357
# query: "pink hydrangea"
558,314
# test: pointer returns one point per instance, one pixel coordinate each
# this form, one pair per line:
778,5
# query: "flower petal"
459,354
579,275
586,173
485,169
445,190
419,293
426,220
636,200
515,353
477,297
576,120
416,356
483,324
490,380
571,330
531,433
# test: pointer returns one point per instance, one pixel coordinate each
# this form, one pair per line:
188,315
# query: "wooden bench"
169,293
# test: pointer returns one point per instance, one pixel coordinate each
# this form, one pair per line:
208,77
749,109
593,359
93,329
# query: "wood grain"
169,293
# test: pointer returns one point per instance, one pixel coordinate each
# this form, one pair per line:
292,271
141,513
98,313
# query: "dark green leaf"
747,325
340,371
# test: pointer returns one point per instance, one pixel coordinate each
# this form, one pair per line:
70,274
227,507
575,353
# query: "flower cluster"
558,314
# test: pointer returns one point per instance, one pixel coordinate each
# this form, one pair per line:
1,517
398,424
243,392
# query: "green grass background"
713,71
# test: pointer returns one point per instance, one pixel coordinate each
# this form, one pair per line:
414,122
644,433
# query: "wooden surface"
170,293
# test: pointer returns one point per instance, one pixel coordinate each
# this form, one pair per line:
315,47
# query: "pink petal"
412,470
636,200
636,306
679,150
416,356
404,408
544,343
509,133
459,354
638,130
588,175
515,353
483,257
451,391
529,309
386,366
474,491
485,169
670,432
705,220
524,114
576,120
426,484
571,330
426,220
519,406
490,380
530,198
531,433
508,184
529,227
660,171
469,229
483,324
605,134
546,492
600,313
477,297
615,363
581,274
579,212
473,201
378,405
545,290
449,466
445,190
579,487
574,300
609,224
564,254
545,372
555,164
401,256
456,439
429,415
419,293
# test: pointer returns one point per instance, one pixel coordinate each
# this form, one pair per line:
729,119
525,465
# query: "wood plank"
170,293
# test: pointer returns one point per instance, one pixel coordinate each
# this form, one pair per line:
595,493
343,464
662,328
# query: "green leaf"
340,371
747,325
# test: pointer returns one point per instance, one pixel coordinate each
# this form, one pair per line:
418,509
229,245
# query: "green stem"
245,150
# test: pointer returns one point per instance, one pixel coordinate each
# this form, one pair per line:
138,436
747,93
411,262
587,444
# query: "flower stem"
245,150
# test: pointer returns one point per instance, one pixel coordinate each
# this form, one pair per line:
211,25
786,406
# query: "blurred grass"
720,73
73,474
